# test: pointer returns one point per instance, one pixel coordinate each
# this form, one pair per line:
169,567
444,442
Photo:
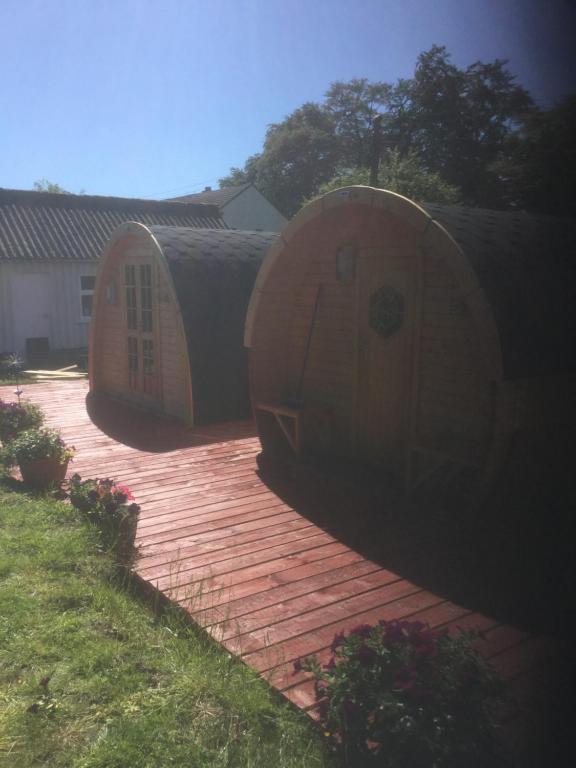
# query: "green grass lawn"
91,677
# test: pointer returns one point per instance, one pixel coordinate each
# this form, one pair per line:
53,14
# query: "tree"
539,167
457,125
353,107
43,185
403,174
458,121
246,175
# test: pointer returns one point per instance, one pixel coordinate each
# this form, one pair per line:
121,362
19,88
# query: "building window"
87,284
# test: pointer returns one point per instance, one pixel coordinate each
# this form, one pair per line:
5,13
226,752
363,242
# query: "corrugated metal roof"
42,226
219,197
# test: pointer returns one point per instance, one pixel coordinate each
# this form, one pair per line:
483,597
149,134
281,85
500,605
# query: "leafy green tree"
540,165
353,107
238,176
43,185
474,129
458,121
403,174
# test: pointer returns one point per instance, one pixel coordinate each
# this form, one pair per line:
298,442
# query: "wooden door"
142,346
385,330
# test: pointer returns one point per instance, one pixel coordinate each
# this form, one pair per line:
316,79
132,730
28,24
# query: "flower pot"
41,473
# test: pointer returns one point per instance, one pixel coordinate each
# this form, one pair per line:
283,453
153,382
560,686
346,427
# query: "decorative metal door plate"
386,311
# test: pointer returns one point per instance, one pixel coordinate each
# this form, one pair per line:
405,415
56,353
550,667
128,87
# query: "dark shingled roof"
182,244
219,197
214,272
44,226
526,266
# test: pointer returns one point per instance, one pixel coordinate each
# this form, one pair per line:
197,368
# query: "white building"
49,250
241,207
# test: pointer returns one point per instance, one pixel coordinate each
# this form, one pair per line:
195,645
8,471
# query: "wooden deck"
271,561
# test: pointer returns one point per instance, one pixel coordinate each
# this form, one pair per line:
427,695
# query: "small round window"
386,312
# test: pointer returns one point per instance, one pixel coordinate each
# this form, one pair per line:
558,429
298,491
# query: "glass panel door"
141,347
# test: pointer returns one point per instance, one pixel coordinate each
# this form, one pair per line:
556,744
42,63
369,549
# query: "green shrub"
35,444
400,695
18,417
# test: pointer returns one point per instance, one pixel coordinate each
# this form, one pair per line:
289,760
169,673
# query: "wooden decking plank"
204,511
292,574
437,617
220,525
211,544
215,530
246,576
313,640
227,561
180,532
302,604
250,608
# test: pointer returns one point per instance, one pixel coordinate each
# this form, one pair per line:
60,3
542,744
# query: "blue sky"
152,98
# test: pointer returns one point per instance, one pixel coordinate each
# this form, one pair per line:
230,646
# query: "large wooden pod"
168,317
411,335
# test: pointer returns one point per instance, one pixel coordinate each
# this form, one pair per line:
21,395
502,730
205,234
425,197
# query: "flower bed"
400,694
111,508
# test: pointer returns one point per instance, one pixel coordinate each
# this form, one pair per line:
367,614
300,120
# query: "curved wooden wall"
108,353
436,375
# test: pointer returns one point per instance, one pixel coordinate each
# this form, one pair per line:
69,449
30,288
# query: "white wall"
250,210
51,305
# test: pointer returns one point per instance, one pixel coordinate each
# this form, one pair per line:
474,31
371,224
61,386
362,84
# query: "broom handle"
308,343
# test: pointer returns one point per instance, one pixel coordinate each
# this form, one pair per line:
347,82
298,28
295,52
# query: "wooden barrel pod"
168,317
410,335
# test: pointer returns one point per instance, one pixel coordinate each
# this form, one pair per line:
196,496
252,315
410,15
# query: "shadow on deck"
507,553
145,431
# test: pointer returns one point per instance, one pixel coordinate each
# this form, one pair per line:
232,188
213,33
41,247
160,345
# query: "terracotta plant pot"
43,472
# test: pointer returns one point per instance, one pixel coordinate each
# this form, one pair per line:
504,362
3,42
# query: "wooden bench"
291,419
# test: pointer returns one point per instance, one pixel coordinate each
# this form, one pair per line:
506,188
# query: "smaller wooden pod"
411,335
168,317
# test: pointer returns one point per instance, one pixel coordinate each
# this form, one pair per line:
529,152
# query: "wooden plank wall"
173,352
110,354
453,395
454,410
